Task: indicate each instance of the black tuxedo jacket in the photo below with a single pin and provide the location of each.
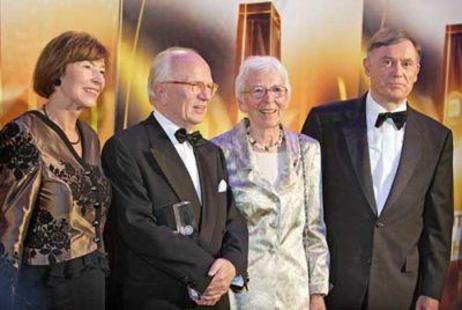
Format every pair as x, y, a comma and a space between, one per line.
384, 261
151, 265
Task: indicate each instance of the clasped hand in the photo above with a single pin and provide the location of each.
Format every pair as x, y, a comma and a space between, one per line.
222, 272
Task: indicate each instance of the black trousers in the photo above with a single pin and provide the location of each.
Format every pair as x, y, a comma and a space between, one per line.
78, 284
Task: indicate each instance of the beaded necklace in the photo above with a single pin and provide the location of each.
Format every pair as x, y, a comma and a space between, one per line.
268, 147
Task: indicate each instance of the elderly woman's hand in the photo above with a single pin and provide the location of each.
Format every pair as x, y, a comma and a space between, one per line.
317, 302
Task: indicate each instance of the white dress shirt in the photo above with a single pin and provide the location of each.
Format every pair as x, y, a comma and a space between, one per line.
185, 150
385, 145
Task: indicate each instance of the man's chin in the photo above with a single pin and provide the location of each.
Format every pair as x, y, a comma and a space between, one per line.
396, 97
197, 120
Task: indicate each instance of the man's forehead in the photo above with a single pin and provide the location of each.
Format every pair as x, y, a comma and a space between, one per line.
402, 50
186, 59
189, 70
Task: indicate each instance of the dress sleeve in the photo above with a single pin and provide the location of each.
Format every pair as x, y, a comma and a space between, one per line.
236, 238
314, 234
19, 185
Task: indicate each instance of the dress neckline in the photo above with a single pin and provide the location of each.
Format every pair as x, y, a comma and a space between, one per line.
64, 138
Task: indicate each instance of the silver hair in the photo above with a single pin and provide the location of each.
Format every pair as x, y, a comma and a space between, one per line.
160, 70
255, 64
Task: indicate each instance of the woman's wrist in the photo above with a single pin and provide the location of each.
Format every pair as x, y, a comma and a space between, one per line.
317, 295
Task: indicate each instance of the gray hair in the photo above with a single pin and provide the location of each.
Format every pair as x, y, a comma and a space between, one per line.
255, 64
160, 70
389, 36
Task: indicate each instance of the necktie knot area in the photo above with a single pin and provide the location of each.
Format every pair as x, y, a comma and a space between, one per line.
399, 118
194, 138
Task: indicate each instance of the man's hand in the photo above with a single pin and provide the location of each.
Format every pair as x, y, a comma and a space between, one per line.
317, 302
427, 303
223, 272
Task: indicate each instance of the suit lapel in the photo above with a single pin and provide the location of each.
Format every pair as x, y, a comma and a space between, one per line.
207, 173
355, 133
410, 156
170, 163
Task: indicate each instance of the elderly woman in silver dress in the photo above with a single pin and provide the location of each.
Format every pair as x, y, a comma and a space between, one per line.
275, 176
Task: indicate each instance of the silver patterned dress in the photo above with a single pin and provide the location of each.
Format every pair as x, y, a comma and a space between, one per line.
288, 254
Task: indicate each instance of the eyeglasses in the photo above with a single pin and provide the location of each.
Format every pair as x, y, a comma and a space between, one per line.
258, 92
197, 87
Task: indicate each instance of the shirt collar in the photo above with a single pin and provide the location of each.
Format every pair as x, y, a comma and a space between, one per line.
167, 125
373, 109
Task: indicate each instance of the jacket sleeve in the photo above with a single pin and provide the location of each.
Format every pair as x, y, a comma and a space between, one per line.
435, 241
236, 237
312, 126
20, 179
314, 234
177, 255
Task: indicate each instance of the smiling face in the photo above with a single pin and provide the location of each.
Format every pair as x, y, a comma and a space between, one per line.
83, 82
392, 71
264, 113
183, 104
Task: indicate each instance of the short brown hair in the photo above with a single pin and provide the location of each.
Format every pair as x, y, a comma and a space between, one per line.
388, 36
68, 47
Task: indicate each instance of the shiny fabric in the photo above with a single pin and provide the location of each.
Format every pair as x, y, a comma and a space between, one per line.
288, 254
52, 201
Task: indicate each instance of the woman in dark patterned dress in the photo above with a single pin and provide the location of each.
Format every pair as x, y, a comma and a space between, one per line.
53, 194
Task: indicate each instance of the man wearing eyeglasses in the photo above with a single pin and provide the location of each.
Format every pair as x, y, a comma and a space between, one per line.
388, 187
163, 174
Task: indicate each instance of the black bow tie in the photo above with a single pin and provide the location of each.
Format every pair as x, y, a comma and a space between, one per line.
194, 138
399, 118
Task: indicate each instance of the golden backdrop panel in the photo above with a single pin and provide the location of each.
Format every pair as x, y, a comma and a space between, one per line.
27, 25
319, 47
321, 50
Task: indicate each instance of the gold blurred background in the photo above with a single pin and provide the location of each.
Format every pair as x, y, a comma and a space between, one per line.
321, 42
27, 25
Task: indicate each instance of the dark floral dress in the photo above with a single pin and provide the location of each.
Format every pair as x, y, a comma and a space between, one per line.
52, 201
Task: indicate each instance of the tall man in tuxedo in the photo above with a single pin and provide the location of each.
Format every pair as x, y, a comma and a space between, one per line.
156, 164
388, 187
